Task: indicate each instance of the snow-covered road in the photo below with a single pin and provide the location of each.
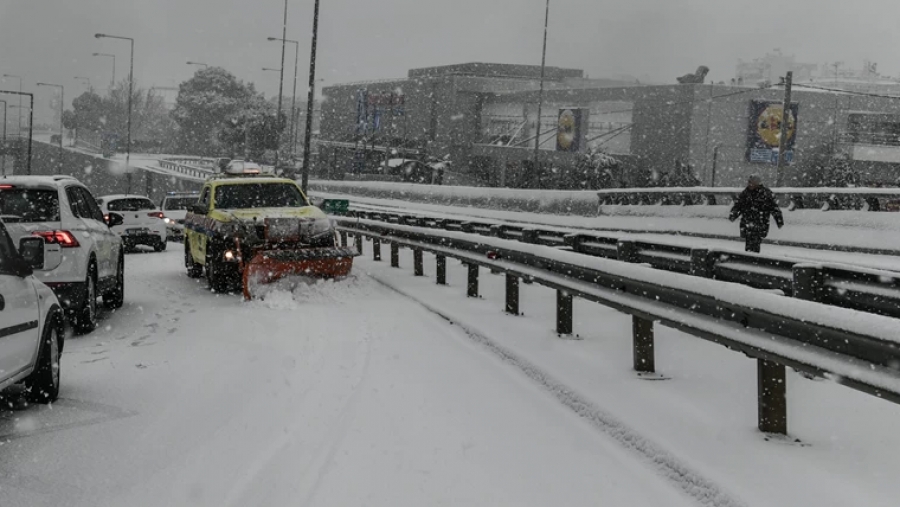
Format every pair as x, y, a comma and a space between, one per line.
333, 394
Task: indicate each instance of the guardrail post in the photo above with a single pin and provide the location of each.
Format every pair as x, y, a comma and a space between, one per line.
418, 268
359, 243
626, 251
395, 255
563, 313
344, 238
809, 283
644, 358
441, 270
702, 264
376, 249
772, 397
472, 286
512, 294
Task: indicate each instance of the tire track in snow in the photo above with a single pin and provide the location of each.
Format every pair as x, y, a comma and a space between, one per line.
704, 491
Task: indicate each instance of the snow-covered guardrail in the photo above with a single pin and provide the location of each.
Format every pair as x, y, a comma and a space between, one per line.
855, 349
824, 198
189, 170
867, 290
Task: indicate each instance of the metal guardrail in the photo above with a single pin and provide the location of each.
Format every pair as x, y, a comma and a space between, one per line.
825, 199
189, 170
867, 290
863, 354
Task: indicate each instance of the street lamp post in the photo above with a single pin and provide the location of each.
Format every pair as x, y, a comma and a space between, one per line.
130, 93
30, 120
19, 115
293, 134
537, 137
281, 77
200, 64
62, 104
307, 136
3, 155
109, 55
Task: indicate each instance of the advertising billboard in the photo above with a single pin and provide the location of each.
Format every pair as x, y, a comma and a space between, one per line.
571, 128
764, 131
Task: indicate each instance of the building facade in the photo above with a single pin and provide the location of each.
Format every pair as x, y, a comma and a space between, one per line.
485, 118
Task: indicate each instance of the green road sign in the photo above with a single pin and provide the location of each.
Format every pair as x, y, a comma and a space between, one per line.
336, 206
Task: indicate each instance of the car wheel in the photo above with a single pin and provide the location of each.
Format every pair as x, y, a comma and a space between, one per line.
160, 246
86, 317
42, 386
116, 298
194, 270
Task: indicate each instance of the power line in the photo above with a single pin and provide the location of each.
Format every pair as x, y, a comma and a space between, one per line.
847, 92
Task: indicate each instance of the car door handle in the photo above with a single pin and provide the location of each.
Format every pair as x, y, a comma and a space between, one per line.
2, 303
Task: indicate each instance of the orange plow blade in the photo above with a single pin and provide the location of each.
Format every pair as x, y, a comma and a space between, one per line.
271, 265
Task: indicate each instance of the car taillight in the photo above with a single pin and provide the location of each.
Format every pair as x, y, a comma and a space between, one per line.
156, 214
6, 187
65, 239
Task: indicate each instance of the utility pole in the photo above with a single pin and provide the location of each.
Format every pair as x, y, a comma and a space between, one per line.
3, 153
537, 138
281, 80
785, 129
310, 101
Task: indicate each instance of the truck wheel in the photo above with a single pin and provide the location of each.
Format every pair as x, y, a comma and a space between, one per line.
222, 276
194, 270
42, 386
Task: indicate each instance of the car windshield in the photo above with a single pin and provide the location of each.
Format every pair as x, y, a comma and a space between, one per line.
20, 204
130, 204
258, 195
178, 203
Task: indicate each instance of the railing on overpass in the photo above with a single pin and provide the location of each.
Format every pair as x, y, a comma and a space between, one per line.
824, 198
866, 290
190, 166
857, 350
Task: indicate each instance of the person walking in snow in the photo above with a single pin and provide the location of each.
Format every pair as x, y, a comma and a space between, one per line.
754, 206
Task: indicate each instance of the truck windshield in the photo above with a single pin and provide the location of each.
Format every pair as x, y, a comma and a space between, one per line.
258, 195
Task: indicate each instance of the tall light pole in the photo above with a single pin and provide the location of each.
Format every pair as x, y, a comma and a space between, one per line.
537, 138
199, 64
307, 135
293, 134
19, 116
130, 93
30, 119
109, 55
3, 155
281, 78
62, 104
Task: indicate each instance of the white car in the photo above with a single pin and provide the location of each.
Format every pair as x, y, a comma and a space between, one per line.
175, 205
84, 258
31, 321
142, 222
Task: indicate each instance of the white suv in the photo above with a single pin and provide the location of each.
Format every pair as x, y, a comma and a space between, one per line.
142, 221
31, 322
84, 258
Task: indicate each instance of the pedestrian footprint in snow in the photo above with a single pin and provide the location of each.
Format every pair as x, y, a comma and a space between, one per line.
754, 206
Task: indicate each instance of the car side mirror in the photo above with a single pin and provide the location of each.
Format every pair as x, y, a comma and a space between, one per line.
199, 209
31, 249
114, 219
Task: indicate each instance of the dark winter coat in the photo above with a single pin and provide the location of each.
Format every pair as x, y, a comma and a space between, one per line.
755, 206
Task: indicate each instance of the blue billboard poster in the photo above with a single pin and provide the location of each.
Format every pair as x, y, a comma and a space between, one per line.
764, 131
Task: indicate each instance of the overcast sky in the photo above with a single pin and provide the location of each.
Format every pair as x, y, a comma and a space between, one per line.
52, 40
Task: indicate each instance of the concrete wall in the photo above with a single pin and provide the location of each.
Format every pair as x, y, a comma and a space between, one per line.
101, 176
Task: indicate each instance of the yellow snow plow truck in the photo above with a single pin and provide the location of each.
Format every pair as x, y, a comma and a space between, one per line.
250, 228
